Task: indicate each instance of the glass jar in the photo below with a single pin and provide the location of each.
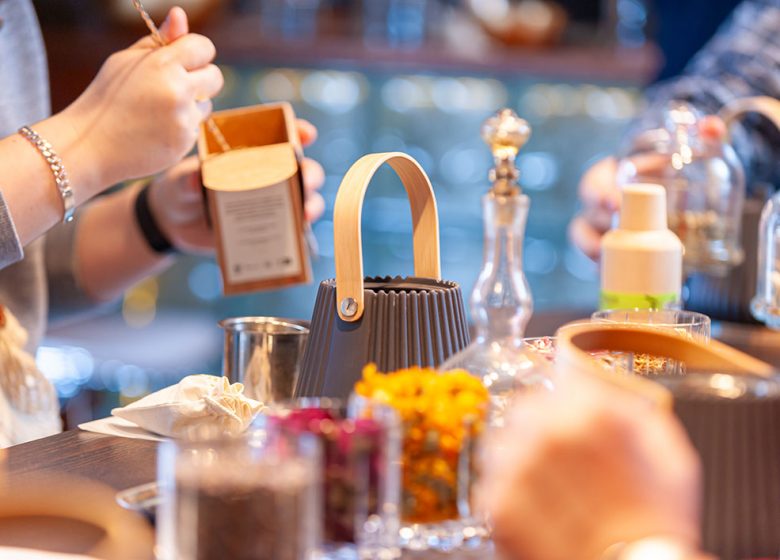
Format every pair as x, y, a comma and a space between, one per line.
688, 324
766, 303
704, 181
443, 415
685, 323
238, 498
360, 475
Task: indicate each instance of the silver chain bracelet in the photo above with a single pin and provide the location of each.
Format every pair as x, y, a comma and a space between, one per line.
57, 169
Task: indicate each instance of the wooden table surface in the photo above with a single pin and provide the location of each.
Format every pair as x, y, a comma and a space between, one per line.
119, 463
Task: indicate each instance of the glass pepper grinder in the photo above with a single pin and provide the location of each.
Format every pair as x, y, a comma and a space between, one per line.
500, 302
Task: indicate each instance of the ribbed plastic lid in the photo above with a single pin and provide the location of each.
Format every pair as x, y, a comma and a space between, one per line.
643, 207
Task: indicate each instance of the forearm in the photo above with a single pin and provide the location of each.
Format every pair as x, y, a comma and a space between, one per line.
139, 116
30, 192
111, 252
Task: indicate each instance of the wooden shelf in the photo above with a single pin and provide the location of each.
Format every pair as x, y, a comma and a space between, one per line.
76, 54
242, 40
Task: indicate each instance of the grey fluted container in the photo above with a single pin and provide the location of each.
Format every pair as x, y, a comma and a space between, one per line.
406, 322
734, 423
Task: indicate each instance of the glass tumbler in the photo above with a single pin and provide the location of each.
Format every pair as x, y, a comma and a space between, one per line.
265, 354
360, 471
439, 474
443, 415
239, 499
689, 324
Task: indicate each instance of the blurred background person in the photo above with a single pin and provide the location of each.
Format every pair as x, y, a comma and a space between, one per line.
742, 60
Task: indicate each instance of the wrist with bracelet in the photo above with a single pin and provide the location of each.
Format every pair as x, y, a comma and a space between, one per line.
155, 239
57, 168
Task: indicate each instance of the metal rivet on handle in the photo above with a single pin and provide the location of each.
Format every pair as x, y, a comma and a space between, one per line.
349, 307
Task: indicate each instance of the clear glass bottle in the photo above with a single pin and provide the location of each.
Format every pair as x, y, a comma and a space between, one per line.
501, 302
704, 181
765, 306
766, 303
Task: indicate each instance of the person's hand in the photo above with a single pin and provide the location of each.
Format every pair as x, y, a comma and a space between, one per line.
141, 113
177, 204
176, 199
589, 466
313, 174
600, 197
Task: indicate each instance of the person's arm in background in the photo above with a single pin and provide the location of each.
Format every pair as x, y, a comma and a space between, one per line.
139, 115
110, 253
591, 472
105, 253
743, 59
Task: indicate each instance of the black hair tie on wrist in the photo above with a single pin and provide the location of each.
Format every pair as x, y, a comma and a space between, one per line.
149, 229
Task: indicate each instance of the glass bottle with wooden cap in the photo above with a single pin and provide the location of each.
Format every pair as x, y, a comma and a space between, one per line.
501, 302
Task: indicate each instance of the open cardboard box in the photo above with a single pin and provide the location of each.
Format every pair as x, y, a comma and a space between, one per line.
255, 197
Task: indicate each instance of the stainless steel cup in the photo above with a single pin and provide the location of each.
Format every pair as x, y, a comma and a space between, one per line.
265, 354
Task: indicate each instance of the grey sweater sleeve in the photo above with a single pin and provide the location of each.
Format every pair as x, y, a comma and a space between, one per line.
743, 59
66, 295
11, 250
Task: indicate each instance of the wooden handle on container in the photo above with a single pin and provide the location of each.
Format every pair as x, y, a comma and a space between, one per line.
576, 340
346, 226
763, 105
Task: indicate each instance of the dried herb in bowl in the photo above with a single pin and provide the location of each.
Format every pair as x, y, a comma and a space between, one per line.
354, 464
442, 414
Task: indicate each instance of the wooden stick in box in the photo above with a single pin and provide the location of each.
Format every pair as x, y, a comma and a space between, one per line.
255, 198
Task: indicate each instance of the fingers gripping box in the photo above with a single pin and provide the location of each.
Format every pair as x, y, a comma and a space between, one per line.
255, 197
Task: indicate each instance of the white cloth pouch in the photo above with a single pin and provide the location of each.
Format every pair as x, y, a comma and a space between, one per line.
197, 404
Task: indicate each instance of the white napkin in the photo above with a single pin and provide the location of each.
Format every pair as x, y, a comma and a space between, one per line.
196, 402
119, 427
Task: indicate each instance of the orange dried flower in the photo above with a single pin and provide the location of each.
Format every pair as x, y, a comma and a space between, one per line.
442, 414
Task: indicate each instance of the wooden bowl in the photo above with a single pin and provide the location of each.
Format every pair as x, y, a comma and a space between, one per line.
576, 341
71, 515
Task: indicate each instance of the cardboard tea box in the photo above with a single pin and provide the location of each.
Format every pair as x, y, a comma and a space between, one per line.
250, 162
